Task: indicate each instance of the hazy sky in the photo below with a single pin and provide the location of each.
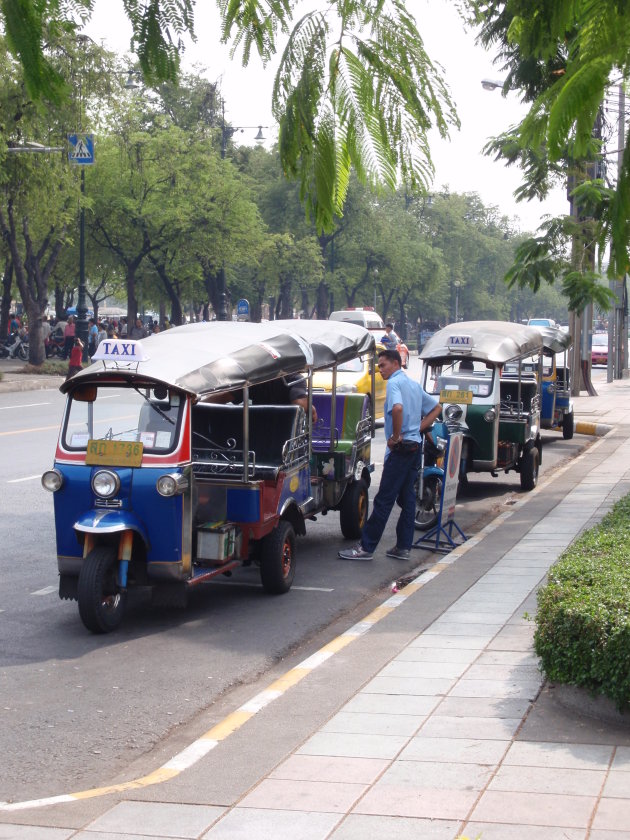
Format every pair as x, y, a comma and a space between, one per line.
459, 162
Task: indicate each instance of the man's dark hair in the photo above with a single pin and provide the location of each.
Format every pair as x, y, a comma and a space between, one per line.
391, 326
394, 355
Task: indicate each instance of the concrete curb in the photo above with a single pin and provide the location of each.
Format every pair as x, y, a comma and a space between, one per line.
582, 702
598, 429
27, 383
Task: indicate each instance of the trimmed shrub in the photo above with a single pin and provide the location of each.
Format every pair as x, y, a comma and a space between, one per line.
583, 618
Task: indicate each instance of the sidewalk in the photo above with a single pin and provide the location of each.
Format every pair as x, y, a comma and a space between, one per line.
426, 720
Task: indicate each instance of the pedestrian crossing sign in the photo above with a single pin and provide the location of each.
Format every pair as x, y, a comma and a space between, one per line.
81, 148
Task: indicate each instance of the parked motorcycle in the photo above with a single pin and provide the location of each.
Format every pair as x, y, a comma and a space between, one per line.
15, 347
55, 345
431, 478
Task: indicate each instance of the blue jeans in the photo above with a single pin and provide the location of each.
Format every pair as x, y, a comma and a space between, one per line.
397, 482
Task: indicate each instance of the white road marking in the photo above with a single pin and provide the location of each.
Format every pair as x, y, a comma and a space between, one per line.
25, 405
47, 590
28, 478
259, 585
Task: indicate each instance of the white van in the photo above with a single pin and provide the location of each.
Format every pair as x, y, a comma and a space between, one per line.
367, 318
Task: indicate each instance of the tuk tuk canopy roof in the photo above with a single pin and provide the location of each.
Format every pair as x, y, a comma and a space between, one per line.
223, 355
489, 341
555, 340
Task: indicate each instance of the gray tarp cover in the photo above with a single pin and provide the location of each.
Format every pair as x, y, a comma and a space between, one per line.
493, 341
221, 355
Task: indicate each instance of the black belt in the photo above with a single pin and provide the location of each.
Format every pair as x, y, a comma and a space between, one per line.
406, 447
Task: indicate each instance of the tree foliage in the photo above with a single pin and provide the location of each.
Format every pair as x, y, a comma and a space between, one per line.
562, 57
355, 87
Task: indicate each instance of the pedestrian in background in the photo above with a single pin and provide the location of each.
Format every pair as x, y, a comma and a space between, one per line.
76, 358
390, 340
409, 410
68, 337
137, 331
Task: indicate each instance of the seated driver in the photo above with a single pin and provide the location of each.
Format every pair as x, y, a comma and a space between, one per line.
286, 390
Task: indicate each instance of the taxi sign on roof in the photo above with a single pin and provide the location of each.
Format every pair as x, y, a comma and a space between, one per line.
460, 342
120, 350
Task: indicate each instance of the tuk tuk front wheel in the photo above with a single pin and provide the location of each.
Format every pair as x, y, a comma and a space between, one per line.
567, 426
101, 601
529, 469
428, 507
353, 510
277, 559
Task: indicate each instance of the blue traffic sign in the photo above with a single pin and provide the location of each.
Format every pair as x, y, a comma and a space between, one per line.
81, 149
242, 308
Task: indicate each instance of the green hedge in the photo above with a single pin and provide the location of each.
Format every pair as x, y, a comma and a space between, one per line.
583, 617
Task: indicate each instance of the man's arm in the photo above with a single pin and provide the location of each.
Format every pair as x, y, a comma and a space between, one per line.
428, 419
397, 421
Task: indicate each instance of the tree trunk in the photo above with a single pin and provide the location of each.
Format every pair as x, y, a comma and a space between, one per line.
305, 304
322, 301
32, 274
132, 302
60, 308
5, 307
285, 301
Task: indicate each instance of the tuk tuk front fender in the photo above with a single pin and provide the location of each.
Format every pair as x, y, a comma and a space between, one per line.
110, 522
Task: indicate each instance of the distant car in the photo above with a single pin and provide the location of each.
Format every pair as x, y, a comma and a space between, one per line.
354, 377
541, 322
373, 323
599, 349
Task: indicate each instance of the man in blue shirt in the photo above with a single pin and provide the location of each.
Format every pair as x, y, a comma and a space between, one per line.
409, 410
390, 340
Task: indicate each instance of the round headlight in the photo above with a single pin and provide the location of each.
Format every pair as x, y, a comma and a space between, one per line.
453, 412
105, 484
166, 485
490, 416
52, 480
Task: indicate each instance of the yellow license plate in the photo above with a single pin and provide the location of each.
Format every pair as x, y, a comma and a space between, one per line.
113, 453
452, 396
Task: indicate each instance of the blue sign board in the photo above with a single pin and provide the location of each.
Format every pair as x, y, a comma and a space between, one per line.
81, 149
242, 309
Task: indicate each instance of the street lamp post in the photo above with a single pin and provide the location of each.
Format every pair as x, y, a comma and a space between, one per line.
457, 284
227, 131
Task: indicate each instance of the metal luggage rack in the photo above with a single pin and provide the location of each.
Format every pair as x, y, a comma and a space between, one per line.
295, 450
364, 428
222, 462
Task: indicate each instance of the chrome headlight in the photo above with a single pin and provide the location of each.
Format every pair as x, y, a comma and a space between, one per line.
105, 484
453, 412
346, 389
52, 480
171, 484
490, 416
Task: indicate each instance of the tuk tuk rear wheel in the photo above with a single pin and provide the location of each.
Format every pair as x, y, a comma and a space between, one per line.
529, 469
101, 601
567, 426
277, 559
353, 510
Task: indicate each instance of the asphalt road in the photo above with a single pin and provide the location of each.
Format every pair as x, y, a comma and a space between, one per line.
78, 708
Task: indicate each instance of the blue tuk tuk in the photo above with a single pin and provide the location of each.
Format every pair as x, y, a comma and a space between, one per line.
557, 405
165, 476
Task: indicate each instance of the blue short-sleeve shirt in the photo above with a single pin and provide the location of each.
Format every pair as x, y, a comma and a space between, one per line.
416, 403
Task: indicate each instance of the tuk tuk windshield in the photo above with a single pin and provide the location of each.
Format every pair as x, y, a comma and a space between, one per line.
459, 375
149, 415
